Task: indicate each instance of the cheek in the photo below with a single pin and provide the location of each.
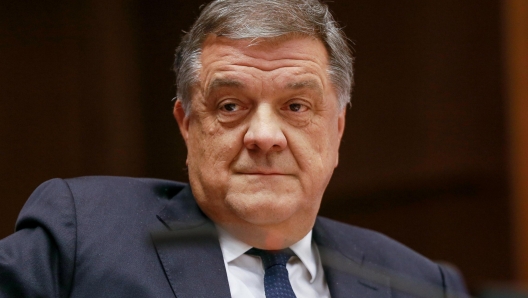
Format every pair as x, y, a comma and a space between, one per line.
315, 148
211, 144
315, 151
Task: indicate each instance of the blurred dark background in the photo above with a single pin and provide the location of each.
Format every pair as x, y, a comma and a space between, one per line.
86, 88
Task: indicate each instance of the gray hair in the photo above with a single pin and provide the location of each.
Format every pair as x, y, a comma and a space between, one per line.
254, 19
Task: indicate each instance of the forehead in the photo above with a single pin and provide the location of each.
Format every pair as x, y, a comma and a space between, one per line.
288, 57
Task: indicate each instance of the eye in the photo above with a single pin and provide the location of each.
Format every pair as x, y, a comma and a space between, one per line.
296, 107
230, 107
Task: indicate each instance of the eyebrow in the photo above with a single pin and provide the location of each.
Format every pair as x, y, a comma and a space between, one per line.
306, 84
312, 84
223, 82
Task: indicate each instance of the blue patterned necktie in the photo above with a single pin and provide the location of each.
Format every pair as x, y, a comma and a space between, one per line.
276, 281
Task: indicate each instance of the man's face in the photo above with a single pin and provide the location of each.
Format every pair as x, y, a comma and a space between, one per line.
263, 131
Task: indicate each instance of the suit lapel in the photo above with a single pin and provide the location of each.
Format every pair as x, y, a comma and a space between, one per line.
343, 266
187, 245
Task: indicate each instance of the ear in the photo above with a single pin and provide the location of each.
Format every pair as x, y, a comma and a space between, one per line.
340, 130
182, 119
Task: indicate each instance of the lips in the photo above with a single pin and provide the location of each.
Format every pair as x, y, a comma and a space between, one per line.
262, 168
263, 173
260, 171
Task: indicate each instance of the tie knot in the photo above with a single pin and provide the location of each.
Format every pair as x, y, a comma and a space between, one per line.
272, 257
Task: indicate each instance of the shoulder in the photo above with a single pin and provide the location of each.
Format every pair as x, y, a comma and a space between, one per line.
110, 187
69, 227
120, 185
374, 246
382, 254
98, 196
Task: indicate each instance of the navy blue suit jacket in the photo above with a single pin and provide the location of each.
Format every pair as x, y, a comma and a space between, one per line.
129, 237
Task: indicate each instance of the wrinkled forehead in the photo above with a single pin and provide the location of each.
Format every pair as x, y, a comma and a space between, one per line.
297, 56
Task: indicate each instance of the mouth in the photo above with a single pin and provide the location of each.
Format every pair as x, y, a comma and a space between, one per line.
262, 173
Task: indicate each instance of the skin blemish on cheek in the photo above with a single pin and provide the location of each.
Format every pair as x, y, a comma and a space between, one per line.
212, 128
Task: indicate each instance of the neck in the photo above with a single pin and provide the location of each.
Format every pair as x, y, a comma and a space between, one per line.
267, 237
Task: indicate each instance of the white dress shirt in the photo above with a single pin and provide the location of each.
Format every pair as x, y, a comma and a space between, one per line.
246, 274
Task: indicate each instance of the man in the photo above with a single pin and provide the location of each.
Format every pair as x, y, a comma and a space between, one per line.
262, 91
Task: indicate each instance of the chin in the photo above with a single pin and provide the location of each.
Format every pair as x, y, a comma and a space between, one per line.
263, 208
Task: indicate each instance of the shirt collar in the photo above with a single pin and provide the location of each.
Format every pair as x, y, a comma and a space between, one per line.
304, 249
233, 248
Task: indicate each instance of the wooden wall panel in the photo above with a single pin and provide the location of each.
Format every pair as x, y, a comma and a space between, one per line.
68, 96
516, 53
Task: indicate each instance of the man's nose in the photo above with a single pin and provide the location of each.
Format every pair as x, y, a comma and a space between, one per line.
265, 131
